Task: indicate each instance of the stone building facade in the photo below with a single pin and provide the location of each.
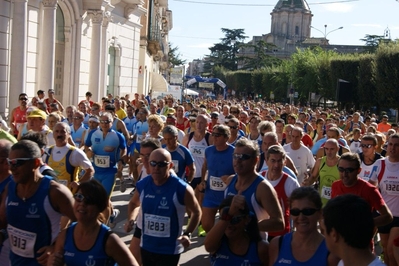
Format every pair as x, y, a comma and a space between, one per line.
75, 46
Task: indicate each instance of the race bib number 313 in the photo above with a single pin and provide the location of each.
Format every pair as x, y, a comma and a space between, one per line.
22, 242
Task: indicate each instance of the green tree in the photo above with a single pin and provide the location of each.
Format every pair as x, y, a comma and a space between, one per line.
256, 56
386, 74
225, 53
174, 56
372, 42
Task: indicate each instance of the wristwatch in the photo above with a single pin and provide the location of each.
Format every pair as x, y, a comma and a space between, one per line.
188, 234
224, 214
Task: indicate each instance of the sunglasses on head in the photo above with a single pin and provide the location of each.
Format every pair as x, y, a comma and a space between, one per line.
18, 161
368, 146
306, 211
81, 198
346, 170
160, 164
241, 156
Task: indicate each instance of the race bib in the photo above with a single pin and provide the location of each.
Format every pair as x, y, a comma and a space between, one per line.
175, 166
22, 242
198, 151
217, 184
391, 187
157, 226
326, 192
101, 161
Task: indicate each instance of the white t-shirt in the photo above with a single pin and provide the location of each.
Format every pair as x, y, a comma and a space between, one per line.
302, 158
375, 262
77, 158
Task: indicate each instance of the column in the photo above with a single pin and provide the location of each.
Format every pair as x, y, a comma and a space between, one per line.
104, 59
97, 17
47, 44
18, 51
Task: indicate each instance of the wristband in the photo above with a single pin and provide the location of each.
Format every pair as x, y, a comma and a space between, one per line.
224, 214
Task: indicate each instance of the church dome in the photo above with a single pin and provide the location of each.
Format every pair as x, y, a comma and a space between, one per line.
301, 4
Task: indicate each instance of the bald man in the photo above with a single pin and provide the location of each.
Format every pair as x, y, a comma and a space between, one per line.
162, 199
326, 170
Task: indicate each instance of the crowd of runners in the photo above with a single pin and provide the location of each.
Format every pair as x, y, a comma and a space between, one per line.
264, 183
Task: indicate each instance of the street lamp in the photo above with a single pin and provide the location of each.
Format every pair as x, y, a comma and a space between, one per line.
325, 33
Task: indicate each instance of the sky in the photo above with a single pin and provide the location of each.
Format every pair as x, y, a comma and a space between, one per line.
197, 26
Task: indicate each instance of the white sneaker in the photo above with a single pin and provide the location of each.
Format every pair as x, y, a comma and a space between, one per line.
112, 218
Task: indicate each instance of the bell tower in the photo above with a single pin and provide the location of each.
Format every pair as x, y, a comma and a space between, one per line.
291, 21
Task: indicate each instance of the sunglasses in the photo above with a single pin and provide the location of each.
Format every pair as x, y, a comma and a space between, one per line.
234, 112
241, 156
192, 120
18, 161
233, 127
237, 219
81, 198
346, 170
23, 99
217, 135
306, 211
214, 117
368, 146
104, 121
160, 164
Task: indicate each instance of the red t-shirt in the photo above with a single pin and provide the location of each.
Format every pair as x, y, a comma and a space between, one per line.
362, 189
181, 126
307, 141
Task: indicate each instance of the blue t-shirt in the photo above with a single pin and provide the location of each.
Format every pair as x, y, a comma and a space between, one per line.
106, 150
181, 158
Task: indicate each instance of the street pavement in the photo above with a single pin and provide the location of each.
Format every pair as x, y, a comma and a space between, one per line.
195, 255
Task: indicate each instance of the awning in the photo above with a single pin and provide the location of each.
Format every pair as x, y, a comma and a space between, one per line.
158, 82
190, 92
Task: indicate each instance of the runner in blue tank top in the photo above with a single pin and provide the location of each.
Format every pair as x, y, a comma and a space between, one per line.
235, 239
181, 156
218, 165
257, 192
88, 241
290, 249
33, 208
160, 202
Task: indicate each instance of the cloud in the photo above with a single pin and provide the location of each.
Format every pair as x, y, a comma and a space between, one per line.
339, 7
201, 45
367, 25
